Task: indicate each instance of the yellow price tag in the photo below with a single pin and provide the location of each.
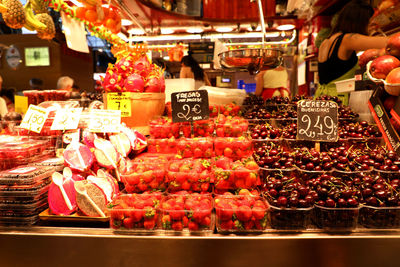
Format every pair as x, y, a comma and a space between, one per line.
34, 118
120, 101
105, 121
21, 104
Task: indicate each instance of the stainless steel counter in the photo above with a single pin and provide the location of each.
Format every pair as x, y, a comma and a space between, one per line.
57, 246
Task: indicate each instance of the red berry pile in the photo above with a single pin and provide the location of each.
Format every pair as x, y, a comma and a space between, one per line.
187, 211
198, 147
244, 212
233, 147
135, 211
227, 126
231, 175
189, 174
163, 127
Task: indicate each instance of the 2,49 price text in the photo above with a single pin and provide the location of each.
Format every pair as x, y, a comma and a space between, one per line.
322, 126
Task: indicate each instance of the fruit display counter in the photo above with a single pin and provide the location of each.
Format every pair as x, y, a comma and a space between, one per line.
228, 184
58, 246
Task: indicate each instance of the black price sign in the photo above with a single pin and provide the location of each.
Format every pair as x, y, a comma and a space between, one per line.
317, 120
190, 106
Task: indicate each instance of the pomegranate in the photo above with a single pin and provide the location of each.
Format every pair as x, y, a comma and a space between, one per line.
134, 83
381, 66
393, 45
369, 55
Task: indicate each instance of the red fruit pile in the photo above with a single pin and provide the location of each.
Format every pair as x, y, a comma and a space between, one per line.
202, 128
187, 211
231, 175
167, 146
190, 174
243, 212
199, 147
134, 73
233, 147
135, 211
230, 109
163, 128
144, 174
227, 126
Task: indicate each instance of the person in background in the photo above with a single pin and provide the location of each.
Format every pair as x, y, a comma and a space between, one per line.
337, 58
161, 63
75, 88
191, 69
8, 96
3, 104
272, 82
36, 84
65, 83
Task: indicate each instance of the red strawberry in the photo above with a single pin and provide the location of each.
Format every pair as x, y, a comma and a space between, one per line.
197, 153
128, 223
185, 221
137, 215
193, 226
177, 226
258, 212
249, 225
149, 224
244, 213
166, 222
226, 225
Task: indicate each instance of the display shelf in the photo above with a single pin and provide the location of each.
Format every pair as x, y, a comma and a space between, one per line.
50, 246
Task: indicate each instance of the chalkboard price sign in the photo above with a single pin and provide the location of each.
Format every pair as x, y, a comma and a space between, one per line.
317, 120
190, 106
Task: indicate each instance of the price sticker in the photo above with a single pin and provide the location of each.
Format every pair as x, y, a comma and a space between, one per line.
66, 119
120, 101
105, 121
317, 120
190, 106
34, 118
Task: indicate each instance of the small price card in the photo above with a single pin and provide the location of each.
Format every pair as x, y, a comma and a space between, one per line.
105, 121
190, 106
317, 120
66, 119
120, 101
34, 118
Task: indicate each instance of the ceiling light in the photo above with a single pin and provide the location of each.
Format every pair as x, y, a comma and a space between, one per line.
224, 29
136, 31
194, 30
285, 27
126, 22
166, 31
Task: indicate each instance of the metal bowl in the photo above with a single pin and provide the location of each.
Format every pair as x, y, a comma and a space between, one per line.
251, 59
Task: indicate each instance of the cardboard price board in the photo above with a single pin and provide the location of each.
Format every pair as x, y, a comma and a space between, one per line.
120, 101
34, 118
105, 121
66, 119
317, 120
190, 106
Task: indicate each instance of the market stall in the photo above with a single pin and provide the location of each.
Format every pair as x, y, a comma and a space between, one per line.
211, 176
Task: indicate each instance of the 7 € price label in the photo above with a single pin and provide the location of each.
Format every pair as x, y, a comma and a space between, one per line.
105, 121
35, 118
120, 101
67, 119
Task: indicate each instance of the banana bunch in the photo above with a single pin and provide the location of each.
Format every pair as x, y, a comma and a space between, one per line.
32, 23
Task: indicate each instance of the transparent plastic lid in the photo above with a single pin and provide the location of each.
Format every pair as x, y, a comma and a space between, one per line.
27, 174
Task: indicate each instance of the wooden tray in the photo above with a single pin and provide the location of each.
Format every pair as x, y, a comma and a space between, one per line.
75, 217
